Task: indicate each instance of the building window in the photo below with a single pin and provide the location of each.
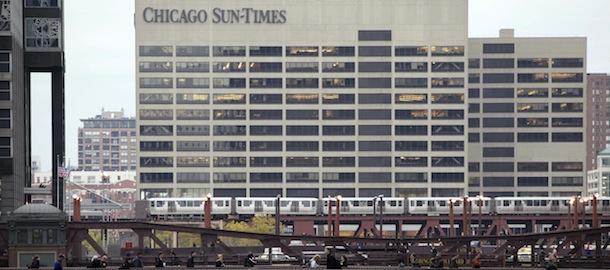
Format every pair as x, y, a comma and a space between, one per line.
265, 51
338, 51
499, 48
229, 51
156, 51
411, 51
219, 67
374, 35
301, 51
192, 51
447, 50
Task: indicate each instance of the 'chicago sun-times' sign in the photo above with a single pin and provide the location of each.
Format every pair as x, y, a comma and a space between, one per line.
216, 16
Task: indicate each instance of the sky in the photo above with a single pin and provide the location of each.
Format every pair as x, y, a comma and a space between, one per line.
100, 54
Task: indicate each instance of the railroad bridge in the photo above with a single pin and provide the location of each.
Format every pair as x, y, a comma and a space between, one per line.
582, 240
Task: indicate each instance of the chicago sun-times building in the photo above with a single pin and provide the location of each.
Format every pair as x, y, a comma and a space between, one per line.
302, 98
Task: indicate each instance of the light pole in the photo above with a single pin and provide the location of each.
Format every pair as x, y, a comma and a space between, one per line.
277, 214
330, 220
451, 228
466, 229
374, 212
480, 202
584, 202
380, 215
207, 212
594, 217
570, 202
76, 207
337, 215
576, 212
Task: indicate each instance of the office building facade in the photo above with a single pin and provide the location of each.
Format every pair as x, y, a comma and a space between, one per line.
598, 113
527, 99
301, 98
107, 142
31, 40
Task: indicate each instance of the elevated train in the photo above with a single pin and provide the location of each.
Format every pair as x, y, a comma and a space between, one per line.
248, 206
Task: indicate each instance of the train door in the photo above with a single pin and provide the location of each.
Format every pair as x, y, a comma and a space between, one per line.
294, 205
171, 206
431, 206
258, 206
518, 206
554, 206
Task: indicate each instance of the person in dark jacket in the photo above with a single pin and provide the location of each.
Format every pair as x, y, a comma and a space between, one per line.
331, 260
35, 262
58, 264
96, 262
159, 260
190, 262
137, 262
250, 260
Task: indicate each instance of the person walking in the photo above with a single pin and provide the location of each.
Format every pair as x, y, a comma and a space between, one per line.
313, 263
159, 260
35, 262
476, 261
219, 261
343, 261
137, 262
58, 264
331, 260
250, 260
190, 262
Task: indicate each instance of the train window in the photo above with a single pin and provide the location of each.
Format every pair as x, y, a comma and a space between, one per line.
159, 204
182, 203
392, 203
283, 203
197, 203
529, 203
505, 203
369, 203
543, 203
536, 203
420, 203
430, 203
305, 203
356, 203
442, 203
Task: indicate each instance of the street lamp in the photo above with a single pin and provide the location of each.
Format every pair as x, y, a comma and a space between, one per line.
584, 203
466, 228
330, 219
576, 199
207, 212
380, 215
277, 214
451, 228
480, 202
76, 207
570, 202
594, 217
337, 214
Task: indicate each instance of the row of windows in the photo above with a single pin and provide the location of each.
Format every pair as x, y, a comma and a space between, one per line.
294, 161
363, 130
563, 107
509, 63
279, 177
525, 167
301, 82
327, 146
300, 51
526, 137
237, 114
526, 92
297, 67
532, 181
525, 78
304, 98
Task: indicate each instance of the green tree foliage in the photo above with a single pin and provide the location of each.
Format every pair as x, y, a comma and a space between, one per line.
259, 224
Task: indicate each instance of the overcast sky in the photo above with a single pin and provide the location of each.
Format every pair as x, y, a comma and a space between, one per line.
100, 53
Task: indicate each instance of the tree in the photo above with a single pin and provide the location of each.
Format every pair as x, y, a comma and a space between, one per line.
259, 224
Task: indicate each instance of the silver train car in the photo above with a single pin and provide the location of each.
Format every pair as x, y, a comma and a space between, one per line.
249, 206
